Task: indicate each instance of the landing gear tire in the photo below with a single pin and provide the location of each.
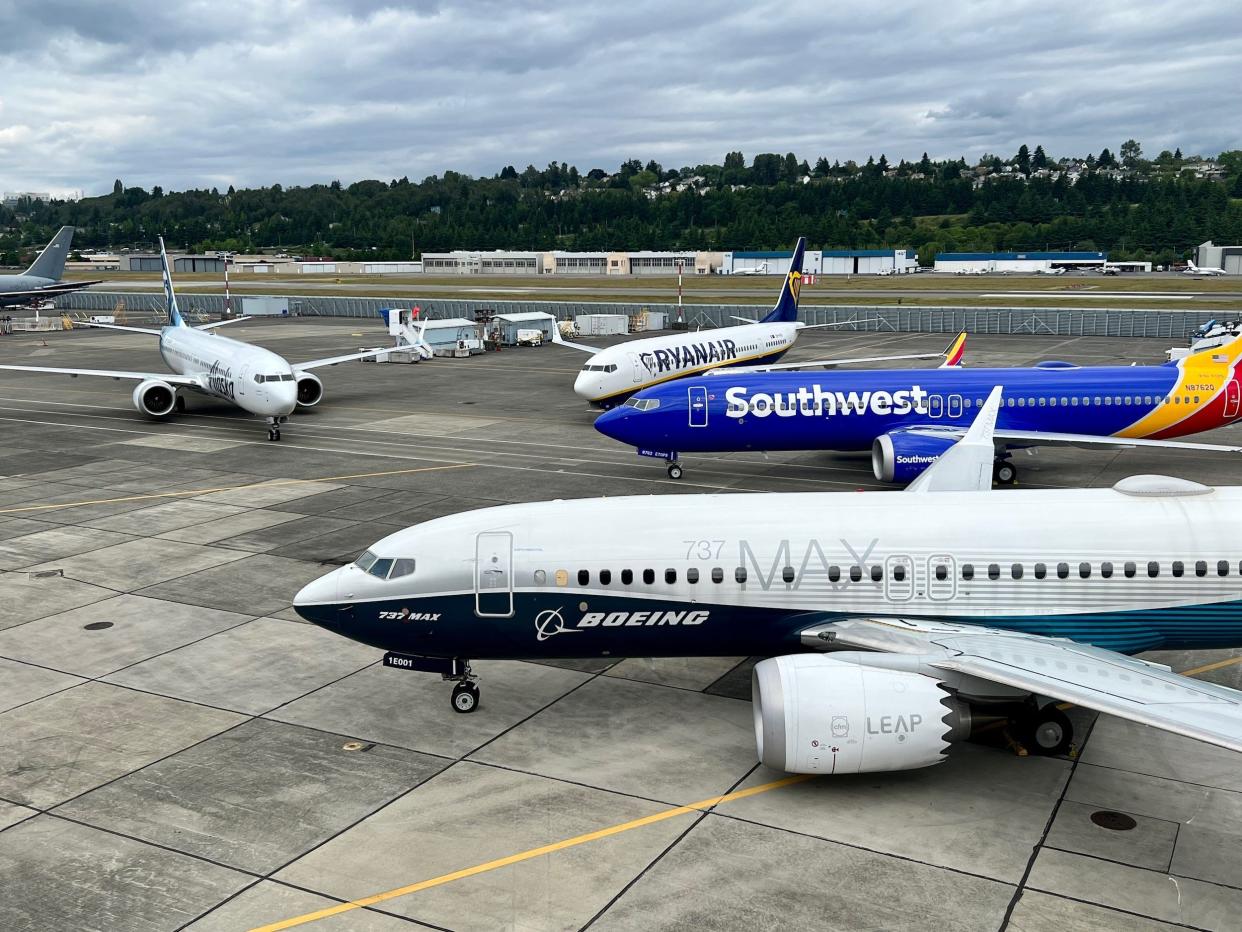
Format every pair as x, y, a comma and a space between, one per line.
1047, 731
674, 470
1004, 472
465, 697
273, 433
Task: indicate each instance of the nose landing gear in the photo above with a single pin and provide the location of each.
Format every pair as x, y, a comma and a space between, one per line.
674, 470
465, 696
273, 428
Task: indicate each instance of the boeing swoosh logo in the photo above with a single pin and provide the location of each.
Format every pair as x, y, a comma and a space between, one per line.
549, 623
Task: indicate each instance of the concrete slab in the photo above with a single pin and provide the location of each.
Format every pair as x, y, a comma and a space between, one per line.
437, 425
1113, 743
252, 668
1149, 844
412, 710
695, 673
20, 527
254, 797
62, 876
471, 814
57, 544
166, 516
1041, 912
267, 903
287, 532
339, 503
24, 597
982, 811
141, 628
21, 683
11, 814
210, 532
270, 493
338, 546
618, 735
729, 874
255, 584
55, 748
184, 443
1148, 893
139, 563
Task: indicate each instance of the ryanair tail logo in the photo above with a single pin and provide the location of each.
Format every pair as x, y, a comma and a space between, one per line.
794, 281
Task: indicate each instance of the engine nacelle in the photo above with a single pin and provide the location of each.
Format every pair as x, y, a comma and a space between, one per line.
155, 398
310, 390
814, 714
902, 456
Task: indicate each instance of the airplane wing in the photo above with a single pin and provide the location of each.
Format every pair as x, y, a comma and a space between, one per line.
561, 341
1049, 438
89, 323
333, 360
221, 323
816, 364
1059, 669
50, 291
967, 465
187, 380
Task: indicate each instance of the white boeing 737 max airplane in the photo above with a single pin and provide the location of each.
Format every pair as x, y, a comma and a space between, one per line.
257, 380
897, 619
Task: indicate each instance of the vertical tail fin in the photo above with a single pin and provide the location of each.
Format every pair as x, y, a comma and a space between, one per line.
786, 309
174, 314
953, 355
51, 262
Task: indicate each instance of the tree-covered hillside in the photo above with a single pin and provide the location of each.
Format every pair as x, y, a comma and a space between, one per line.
1134, 208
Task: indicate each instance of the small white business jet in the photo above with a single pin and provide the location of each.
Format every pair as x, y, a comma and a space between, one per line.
1211, 270
257, 380
760, 269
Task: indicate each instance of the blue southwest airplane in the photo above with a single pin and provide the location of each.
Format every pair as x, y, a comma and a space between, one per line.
908, 418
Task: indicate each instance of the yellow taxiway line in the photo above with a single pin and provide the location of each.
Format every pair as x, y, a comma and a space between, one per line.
701, 806
265, 484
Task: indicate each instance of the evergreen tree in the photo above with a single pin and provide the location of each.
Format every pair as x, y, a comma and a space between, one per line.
1039, 159
1023, 159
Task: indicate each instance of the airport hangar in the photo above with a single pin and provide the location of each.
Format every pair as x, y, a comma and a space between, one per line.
1211, 256
178, 750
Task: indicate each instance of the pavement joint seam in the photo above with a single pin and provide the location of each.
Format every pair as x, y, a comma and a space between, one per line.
1150, 870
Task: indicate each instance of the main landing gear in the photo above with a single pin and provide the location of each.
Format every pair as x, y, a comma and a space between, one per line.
1045, 730
1004, 472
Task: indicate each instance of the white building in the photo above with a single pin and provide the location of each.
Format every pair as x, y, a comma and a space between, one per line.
1211, 256
497, 262
1020, 262
823, 262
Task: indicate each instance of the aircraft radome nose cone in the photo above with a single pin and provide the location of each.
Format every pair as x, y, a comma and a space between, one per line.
321, 591
613, 422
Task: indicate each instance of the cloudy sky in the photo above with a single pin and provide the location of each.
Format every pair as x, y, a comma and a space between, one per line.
202, 93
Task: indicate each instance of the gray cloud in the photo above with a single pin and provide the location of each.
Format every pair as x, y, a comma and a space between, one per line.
199, 94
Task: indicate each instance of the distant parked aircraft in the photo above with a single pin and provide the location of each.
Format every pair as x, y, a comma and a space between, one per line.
42, 279
760, 269
1192, 269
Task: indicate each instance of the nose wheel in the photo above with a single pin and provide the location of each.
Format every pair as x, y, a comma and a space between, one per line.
674, 470
465, 696
273, 429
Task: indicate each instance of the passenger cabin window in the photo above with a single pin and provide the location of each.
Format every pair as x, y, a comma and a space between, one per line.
1222, 567
739, 574
1016, 571
1201, 568
670, 577
717, 574
541, 578
627, 577
787, 575
605, 577
993, 571
584, 577
1084, 570
1062, 571
877, 573
692, 575
855, 573
1178, 568
649, 577
968, 571
1153, 569
1041, 570
834, 574
1130, 569
1106, 570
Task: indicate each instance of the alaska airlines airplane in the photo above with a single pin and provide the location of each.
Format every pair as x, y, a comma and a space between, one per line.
617, 372
42, 279
907, 418
254, 379
923, 610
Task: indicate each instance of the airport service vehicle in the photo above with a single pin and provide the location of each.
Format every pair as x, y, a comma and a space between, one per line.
907, 417
254, 379
42, 279
617, 372
898, 618
1192, 269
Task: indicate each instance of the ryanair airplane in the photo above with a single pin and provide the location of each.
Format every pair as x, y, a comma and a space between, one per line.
254, 379
895, 629
907, 418
617, 372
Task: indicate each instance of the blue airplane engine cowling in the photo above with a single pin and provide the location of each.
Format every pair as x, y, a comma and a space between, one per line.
902, 455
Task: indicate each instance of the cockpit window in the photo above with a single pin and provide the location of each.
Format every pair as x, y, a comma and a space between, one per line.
379, 569
643, 404
364, 562
591, 367
402, 566
286, 377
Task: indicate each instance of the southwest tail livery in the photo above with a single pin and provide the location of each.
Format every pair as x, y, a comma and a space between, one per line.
909, 418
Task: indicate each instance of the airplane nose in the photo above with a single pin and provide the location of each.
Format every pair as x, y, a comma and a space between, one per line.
316, 594
617, 423
286, 396
583, 386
